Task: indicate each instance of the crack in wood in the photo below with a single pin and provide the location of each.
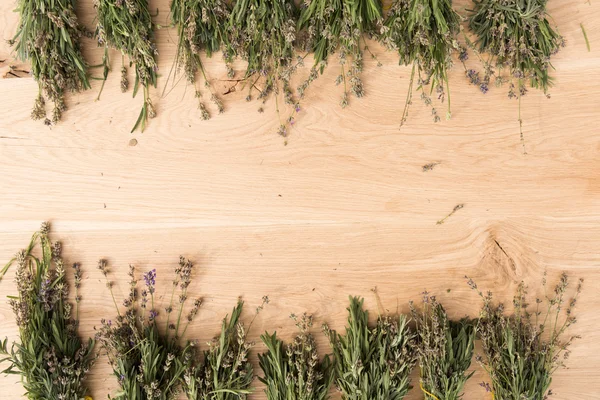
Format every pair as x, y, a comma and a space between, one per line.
512, 262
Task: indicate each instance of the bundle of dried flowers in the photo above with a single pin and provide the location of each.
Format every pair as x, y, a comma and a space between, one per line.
201, 26
519, 39
423, 32
263, 32
126, 25
445, 350
225, 373
147, 361
294, 371
48, 37
331, 26
373, 363
522, 350
51, 358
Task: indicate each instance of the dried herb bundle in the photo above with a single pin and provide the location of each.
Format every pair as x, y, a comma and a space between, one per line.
226, 373
339, 26
263, 32
522, 350
373, 363
201, 26
51, 358
48, 37
148, 362
423, 32
445, 350
518, 37
294, 371
126, 25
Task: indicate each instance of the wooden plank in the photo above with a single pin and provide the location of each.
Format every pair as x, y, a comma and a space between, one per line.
344, 207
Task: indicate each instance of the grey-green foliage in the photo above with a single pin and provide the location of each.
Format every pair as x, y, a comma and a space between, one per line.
373, 363
445, 350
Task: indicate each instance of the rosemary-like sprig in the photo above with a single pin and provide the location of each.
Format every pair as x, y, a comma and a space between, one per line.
373, 363
202, 27
295, 371
48, 37
126, 25
51, 358
147, 362
225, 373
445, 349
263, 33
331, 26
523, 350
423, 32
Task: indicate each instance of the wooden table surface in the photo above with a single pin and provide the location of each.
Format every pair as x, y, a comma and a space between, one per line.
343, 208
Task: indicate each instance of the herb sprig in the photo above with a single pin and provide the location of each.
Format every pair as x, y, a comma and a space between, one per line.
51, 358
126, 25
48, 36
445, 349
373, 363
331, 26
225, 373
517, 37
423, 32
524, 349
295, 371
202, 27
147, 361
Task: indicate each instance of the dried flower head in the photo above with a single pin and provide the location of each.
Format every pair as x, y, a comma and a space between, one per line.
373, 362
126, 25
48, 37
522, 350
51, 358
295, 371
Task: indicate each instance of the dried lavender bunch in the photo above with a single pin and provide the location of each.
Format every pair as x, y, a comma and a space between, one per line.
373, 363
518, 38
263, 32
445, 350
423, 32
332, 26
225, 373
294, 371
126, 25
522, 350
201, 26
48, 37
147, 361
51, 358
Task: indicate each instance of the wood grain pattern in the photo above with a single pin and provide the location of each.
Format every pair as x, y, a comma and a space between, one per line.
344, 207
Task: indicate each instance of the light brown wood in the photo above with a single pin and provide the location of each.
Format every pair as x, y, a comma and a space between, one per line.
343, 208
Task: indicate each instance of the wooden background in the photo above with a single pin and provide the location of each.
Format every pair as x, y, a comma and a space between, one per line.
344, 207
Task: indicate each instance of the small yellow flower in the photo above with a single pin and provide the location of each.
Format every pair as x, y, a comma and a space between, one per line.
88, 398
